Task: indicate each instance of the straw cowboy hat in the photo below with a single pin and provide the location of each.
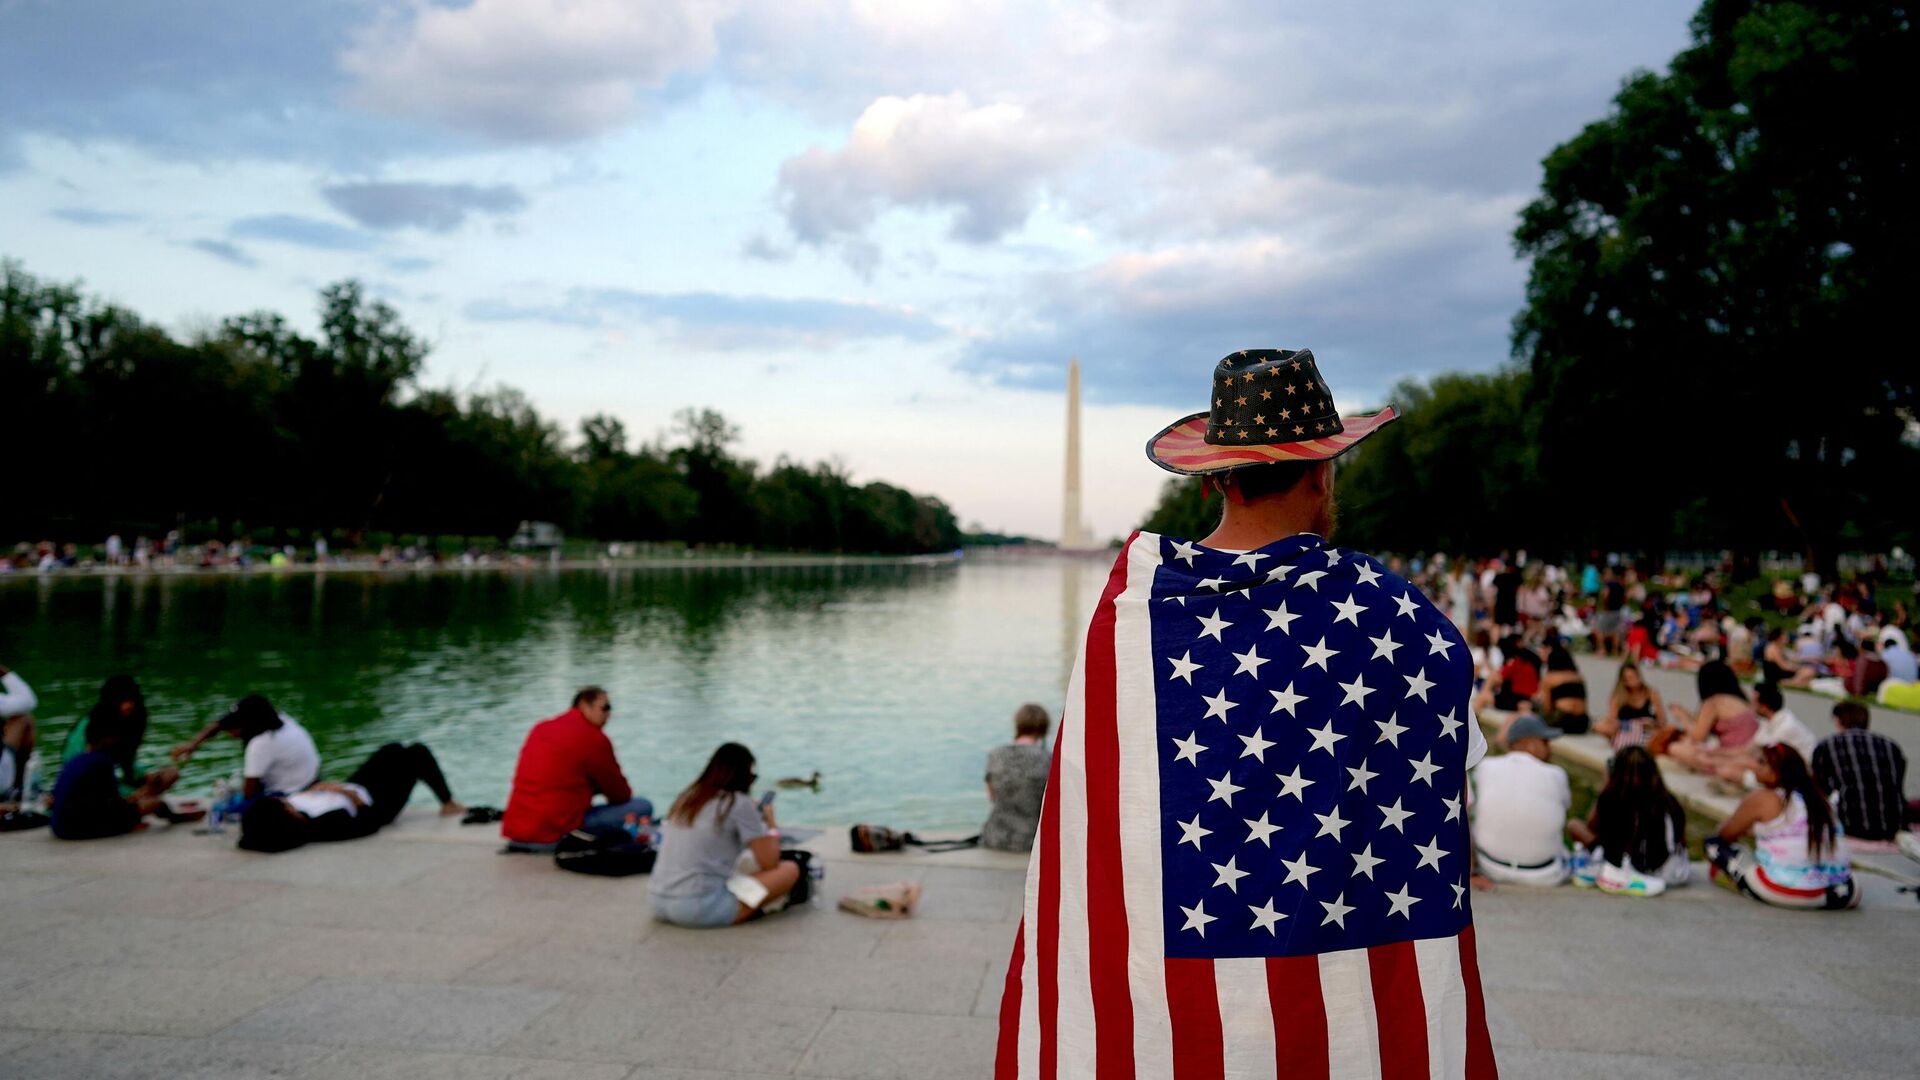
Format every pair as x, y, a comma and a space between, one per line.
1269, 405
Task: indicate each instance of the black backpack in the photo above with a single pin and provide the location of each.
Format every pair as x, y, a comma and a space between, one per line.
606, 854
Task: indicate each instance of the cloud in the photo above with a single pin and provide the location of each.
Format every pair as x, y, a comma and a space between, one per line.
434, 207
724, 322
82, 215
1379, 293
411, 264
207, 80
982, 162
304, 231
224, 251
529, 70
762, 247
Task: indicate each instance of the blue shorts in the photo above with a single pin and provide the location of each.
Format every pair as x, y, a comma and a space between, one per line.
716, 908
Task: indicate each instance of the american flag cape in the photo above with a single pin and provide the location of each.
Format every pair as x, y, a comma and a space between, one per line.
1253, 852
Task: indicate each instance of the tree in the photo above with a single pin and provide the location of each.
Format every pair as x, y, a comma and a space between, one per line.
602, 438
1184, 510
293, 435
1720, 269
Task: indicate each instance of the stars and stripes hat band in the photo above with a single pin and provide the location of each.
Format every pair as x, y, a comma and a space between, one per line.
1269, 405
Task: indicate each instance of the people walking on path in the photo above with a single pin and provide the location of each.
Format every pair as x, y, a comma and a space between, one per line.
1256, 803
564, 764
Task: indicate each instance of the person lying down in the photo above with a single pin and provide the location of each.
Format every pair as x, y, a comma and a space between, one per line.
360, 806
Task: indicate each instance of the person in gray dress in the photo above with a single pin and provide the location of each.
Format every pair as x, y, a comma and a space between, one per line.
1016, 781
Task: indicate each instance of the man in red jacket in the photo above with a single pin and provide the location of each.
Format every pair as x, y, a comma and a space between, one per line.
564, 763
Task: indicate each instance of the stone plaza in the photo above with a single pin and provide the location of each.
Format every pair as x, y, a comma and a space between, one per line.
422, 953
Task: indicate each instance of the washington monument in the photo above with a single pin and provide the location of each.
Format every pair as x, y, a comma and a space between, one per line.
1074, 532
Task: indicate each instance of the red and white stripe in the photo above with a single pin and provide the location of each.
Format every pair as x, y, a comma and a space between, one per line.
1090, 990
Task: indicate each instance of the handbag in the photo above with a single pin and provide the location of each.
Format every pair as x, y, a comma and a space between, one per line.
604, 854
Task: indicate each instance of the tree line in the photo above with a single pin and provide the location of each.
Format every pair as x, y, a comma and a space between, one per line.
254, 427
1711, 355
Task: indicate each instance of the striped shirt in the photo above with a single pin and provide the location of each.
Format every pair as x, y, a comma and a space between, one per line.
1867, 773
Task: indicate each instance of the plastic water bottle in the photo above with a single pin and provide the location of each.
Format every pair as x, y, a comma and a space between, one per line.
30, 782
217, 812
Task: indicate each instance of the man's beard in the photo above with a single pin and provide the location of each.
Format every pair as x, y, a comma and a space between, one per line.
1326, 517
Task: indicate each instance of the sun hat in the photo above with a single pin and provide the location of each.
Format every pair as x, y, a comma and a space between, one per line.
1269, 405
1529, 726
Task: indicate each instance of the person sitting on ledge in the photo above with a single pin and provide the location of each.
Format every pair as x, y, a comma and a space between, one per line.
279, 756
122, 698
1637, 831
1799, 858
1017, 782
564, 763
362, 805
1724, 717
1520, 803
1866, 772
1563, 693
695, 882
1634, 710
1518, 681
87, 800
1779, 666
16, 733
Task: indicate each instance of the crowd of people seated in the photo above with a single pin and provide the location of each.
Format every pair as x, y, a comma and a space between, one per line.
718, 860
1803, 799
1806, 803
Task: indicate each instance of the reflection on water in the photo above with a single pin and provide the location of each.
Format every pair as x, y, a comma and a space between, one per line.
892, 680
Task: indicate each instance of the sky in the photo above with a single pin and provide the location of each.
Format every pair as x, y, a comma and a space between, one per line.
872, 231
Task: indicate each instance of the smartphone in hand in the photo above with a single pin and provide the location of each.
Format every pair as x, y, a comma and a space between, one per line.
766, 800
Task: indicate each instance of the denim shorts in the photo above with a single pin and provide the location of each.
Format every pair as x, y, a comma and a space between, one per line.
716, 908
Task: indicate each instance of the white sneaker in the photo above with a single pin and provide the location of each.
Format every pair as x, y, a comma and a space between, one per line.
1619, 880
1909, 844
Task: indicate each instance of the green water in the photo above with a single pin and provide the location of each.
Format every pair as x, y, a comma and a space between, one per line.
892, 680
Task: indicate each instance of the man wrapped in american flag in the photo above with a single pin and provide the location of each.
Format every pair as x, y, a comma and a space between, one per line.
1253, 857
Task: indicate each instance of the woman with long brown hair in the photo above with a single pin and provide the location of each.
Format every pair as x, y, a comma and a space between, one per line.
1799, 855
1634, 710
694, 881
